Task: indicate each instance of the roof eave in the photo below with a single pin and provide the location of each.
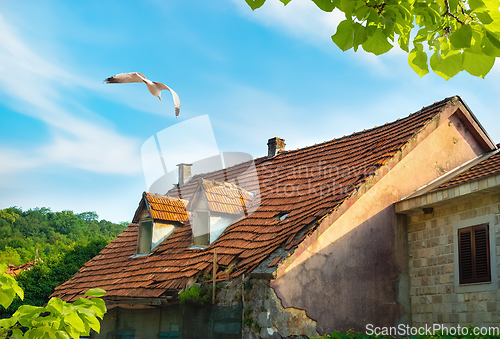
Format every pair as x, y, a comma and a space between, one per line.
475, 127
478, 127
451, 174
470, 189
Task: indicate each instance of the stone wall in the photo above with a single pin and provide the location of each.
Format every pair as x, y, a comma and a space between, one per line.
436, 296
264, 316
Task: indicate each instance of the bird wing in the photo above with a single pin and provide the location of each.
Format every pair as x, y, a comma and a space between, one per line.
177, 102
126, 78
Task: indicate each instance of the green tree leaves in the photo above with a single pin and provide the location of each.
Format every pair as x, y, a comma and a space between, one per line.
377, 43
478, 64
447, 65
462, 37
254, 4
61, 255
95, 292
459, 34
8, 287
417, 59
344, 38
58, 319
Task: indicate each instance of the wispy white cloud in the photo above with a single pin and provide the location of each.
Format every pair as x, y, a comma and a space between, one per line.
39, 88
302, 19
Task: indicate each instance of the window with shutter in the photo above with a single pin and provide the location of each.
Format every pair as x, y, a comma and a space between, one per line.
474, 254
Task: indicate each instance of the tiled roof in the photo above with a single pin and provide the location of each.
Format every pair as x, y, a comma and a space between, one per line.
14, 270
164, 207
225, 197
306, 183
485, 168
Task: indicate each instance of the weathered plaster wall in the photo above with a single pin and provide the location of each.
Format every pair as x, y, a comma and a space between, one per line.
435, 297
265, 315
354, 271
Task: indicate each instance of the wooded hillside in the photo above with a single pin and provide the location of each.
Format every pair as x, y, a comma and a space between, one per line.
65, 241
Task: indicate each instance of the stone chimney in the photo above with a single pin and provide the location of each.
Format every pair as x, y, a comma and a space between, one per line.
275, 145
184, 173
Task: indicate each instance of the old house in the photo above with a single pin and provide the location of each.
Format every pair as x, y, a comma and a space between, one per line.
392, 225
453, 227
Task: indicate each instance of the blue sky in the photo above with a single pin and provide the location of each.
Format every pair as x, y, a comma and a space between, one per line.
69, 142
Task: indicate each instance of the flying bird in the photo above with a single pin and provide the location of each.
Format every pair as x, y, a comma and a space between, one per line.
154, 87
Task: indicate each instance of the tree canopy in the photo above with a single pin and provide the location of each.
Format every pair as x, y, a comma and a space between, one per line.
65, 242
449, 35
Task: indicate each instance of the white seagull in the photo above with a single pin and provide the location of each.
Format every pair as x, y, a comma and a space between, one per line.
154, 87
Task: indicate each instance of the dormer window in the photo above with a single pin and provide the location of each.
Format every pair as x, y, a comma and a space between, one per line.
145, 236
201, 228
215, 206
157, 216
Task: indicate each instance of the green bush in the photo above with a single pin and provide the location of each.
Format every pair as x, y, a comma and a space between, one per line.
196, 294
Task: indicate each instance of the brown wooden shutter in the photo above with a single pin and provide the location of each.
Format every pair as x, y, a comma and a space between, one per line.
474, 254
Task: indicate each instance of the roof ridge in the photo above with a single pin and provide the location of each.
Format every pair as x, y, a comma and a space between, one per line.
365, 131
345, 137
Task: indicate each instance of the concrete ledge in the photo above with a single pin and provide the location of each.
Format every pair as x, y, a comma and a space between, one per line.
467, 190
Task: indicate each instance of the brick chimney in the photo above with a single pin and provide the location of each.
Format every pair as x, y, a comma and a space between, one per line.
184, 173
275, 145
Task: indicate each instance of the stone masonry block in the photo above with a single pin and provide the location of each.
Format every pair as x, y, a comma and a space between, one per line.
437, 299
454, 318
481, 306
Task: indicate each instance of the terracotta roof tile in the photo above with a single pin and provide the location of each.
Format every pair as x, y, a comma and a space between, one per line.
306, 183
224, 197
166, 208
275, 261
14, 270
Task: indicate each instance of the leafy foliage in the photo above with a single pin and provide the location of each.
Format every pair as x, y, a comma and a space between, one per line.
459, 34
66, 241
56, 320
197, 294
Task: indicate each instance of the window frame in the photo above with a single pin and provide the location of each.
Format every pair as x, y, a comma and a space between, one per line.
491, 285
467, 240
140, 237
195, 222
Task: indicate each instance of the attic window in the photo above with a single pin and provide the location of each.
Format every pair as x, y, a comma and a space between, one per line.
145, 236
201, 228
282, 216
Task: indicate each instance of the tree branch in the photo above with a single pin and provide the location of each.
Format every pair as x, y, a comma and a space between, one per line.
448, 13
